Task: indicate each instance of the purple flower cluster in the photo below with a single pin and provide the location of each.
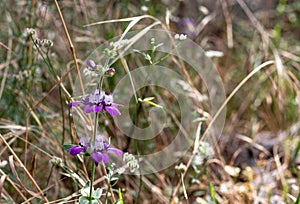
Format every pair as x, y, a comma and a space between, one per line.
97, 101
100, 149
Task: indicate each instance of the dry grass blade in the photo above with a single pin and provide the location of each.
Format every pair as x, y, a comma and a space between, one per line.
280, 167
3, 45
120, 20
289, 55
2, 179
8, 57
257, 69
257, 146
265, 37
13, 184
254, 21
155, 190
5, 148
14, 171
24, 168
131, 24
228, 23
72, 48
204, 22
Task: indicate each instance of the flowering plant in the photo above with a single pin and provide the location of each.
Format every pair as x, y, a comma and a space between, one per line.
97, 102
96, 146
99, 150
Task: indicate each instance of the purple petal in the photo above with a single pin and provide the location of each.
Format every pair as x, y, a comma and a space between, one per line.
75, 150
98, 108
88, 108
99, 143
86, 100
97, 157
84, 142
186, 22
116, 105
108, 99
110, 72
90, 63
113, 111
116, 151
74, 103
105, 157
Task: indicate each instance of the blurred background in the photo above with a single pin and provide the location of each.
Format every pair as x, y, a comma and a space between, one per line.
257, 157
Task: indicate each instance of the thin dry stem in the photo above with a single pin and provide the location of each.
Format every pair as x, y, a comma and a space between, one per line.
24, 168
8, 57
228, 23
72, 48
13, 185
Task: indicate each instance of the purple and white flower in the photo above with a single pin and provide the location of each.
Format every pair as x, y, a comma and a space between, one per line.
97, 102
100, 149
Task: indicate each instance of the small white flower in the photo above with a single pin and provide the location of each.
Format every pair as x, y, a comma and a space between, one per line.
182, 37
131, 162
181, 167
144, 8
3, 163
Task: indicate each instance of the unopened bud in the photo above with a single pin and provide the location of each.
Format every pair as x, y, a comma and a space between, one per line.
110, 72
91, 64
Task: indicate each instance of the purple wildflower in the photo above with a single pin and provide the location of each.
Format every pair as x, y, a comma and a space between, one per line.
100, 149
76, 150
96, 102
187, 26
83, 145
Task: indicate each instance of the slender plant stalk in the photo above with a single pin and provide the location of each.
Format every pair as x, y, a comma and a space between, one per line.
93, 163
113, 199
72, 48
123, 61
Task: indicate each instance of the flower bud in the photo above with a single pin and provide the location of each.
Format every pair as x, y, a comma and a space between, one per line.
110, 72
91, 64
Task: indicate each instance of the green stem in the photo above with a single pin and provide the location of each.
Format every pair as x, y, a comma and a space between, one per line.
93, 163
92, 179
94, 137
93, 140
130, 78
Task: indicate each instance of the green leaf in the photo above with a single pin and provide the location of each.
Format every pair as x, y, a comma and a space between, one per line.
212, 193
120, 201
296, 153
84, 200
298, 199
97, 194
85, 191
140, 52
94, 201
68, 146
148, 101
